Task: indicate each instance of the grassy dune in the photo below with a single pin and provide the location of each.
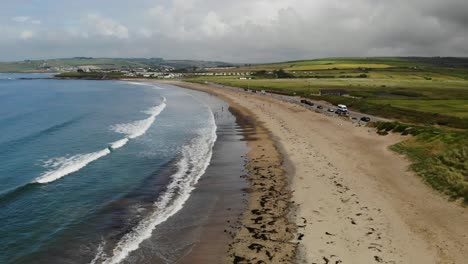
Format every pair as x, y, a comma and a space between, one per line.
439, 156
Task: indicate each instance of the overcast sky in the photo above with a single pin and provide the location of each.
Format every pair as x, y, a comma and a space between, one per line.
235, 31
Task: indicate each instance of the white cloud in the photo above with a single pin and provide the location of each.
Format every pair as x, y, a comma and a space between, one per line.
21, 19
26, 19
251, 30
269, 30
145, 32
106, 27
212, 25
27, 34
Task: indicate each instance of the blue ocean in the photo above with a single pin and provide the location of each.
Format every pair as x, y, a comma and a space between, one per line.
89, 169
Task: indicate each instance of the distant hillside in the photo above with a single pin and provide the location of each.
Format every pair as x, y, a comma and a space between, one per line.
360, 62
71, 64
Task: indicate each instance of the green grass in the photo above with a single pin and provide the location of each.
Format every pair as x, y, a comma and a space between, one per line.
19, 67
340, 63
449, 116
440, 156
458, 108
360, 87
311, 67
397, 113
89, 75
421, 95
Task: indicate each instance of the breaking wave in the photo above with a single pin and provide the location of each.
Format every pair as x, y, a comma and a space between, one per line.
119, 143
145, 84
195, 158
63, 166
138, 128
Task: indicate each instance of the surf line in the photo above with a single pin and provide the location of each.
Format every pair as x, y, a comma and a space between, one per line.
63, 166
196, 157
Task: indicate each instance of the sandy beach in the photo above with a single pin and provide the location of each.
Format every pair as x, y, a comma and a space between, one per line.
351, 200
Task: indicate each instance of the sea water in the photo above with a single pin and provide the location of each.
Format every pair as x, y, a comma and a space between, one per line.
88, 169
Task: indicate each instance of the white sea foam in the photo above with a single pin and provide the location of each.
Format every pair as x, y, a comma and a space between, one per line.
119, 143
146, 84
195, 158
60, 167
99, 253
139, 128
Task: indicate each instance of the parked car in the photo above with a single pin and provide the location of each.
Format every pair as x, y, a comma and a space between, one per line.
342, 108
365, 118
341, 112
319, 107
331, 110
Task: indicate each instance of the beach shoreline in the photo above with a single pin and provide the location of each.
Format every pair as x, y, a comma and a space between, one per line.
265, 230
353, 200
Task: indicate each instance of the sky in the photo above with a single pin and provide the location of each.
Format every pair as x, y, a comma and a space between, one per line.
242, 31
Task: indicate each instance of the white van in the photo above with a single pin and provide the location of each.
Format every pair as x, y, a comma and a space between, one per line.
342, 108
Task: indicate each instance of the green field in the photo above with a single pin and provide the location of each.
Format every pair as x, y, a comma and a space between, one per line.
419, 90
336, 66
432, 89
415, 101
455, 107
336, 63
442, 102
19, 67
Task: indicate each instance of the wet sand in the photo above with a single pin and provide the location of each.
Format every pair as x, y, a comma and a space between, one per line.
356, 201
199, 232
265, 231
